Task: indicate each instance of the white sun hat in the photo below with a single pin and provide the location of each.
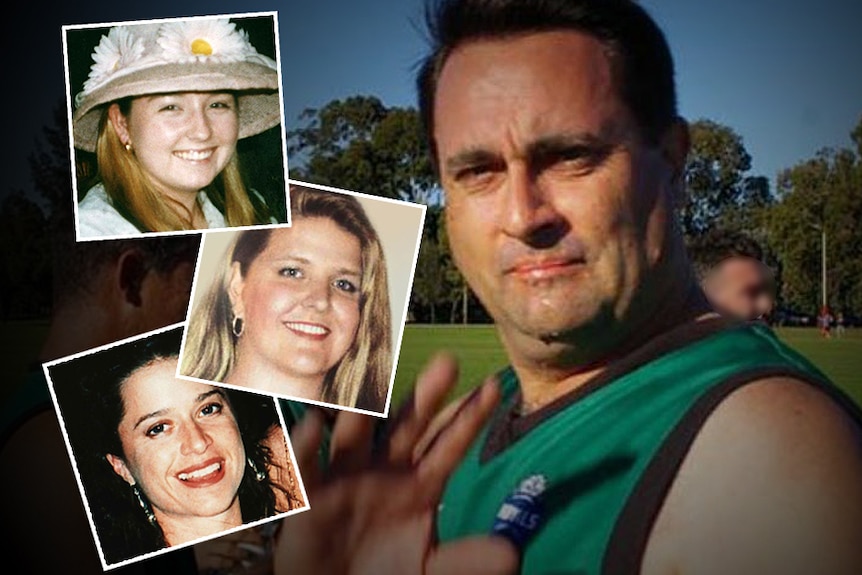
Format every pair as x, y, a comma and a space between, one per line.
197, 55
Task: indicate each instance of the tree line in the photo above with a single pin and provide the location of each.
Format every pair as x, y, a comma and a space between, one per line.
360, 144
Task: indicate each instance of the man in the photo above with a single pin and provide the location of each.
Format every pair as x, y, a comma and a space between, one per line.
824, 322
733, 276
103, 292
840, 330
638, 432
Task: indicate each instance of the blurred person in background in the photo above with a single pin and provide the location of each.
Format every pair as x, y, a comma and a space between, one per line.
733, 275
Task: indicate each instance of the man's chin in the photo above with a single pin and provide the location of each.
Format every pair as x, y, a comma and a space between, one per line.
548, 332
563, 327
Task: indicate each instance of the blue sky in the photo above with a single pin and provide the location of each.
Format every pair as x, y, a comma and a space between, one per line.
786, 76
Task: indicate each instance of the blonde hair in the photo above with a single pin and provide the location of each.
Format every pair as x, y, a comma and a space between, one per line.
133, 195
361, 377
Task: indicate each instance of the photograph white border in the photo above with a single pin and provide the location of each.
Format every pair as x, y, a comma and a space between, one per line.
70, 98
105, 566
398, 337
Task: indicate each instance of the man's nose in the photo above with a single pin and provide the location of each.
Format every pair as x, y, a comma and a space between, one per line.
528, 213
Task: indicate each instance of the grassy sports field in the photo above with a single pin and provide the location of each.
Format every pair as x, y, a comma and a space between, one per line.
480, 354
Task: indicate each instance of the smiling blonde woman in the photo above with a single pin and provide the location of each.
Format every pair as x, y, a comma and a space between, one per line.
302, 311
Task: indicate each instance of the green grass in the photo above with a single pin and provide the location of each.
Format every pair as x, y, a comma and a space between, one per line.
480, 354
476, 347
839, 358
478, 351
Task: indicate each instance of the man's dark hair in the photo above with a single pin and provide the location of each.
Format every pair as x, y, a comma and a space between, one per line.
710, 249
76, 264
636, 46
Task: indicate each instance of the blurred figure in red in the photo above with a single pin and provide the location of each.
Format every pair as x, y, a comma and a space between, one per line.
824, 322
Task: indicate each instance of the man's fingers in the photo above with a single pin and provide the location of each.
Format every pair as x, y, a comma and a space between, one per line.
435, 382
352, 443
437, 425
409, 424
451, 444
396, 550
480, 555
306, 438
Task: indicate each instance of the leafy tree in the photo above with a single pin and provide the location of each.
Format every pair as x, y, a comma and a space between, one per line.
50, 163
464, 306
438, 284
402, 154
823, 193
715, 176
748, 214
856, 136
28, 220
360, 144
429, 281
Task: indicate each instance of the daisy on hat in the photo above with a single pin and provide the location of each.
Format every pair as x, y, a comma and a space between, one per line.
163, 107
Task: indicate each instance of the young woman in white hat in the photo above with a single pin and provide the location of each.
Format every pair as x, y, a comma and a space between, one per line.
163, 107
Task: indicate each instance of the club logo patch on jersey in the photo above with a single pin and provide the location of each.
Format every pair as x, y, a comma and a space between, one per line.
521, 512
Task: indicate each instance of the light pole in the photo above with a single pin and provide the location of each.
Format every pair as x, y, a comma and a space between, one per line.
822, 229
823, 264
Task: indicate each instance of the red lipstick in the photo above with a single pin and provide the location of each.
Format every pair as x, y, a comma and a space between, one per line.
203, 474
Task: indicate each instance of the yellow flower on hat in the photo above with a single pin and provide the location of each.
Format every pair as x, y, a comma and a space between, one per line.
214, 40
115, 51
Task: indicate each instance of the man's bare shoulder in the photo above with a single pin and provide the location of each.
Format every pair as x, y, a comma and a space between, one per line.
771, 484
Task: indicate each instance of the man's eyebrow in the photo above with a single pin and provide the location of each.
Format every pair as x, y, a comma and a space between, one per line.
553, 144
469, 157
543, 146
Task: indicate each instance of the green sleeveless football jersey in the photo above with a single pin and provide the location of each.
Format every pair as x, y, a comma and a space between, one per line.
579, 483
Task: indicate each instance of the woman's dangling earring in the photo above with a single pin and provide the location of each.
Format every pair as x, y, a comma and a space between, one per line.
237, 326
144, 505
258, 474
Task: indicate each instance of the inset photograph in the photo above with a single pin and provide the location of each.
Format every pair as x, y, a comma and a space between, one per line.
176, 125
163, 463
312, 312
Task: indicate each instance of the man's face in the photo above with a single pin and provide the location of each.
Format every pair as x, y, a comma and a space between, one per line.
558, 213
741, 287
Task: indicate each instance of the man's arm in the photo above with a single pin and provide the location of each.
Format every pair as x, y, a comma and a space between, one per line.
772, 484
